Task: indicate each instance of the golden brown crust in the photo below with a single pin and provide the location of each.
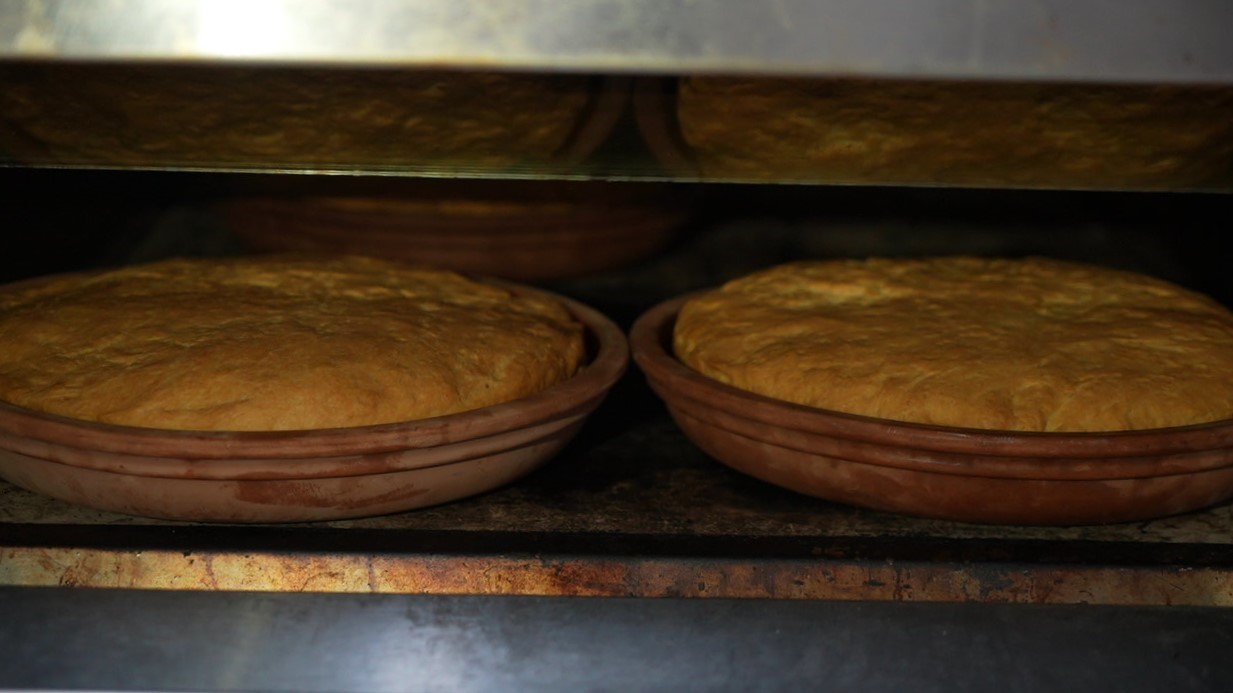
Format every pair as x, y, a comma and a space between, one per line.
1029, 345
277, 343
854, 130
263, 116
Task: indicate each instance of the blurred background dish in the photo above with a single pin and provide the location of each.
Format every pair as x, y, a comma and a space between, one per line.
510, 229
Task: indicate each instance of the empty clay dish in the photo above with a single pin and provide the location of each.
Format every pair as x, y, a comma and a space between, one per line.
949, 473
290, 476
525, 231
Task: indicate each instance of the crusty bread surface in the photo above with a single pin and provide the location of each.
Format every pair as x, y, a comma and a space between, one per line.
265, 116
968, 133
277, 343
1002, 344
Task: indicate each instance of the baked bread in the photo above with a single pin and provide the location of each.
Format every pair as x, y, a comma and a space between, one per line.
963, 133
277, 343
1024, 345
259, 116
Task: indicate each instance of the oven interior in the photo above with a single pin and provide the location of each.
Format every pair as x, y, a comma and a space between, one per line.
631, 509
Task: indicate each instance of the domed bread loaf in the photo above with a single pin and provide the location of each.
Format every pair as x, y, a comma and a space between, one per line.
267, 117
959, 133
277, 343
1025, 345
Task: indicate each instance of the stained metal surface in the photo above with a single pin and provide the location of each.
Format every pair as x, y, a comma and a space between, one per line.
1107, 40
126, 640
822, 578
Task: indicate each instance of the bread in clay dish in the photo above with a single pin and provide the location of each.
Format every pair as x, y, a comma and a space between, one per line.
277, 343
996, 344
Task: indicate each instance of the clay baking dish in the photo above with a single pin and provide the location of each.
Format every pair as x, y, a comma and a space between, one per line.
512, 229
293, 476
948, 473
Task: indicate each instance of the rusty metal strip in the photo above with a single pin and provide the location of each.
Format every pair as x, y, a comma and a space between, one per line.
824, 579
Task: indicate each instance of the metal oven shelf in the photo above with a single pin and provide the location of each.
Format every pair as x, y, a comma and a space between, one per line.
1140, 41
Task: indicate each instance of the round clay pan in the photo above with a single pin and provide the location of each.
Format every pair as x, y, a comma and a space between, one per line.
296, 476
972, 475
514, 230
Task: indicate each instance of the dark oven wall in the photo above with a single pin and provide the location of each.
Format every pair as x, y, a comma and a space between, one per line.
61, 220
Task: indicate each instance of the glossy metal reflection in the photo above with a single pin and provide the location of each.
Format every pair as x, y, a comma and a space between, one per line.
1140, 40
